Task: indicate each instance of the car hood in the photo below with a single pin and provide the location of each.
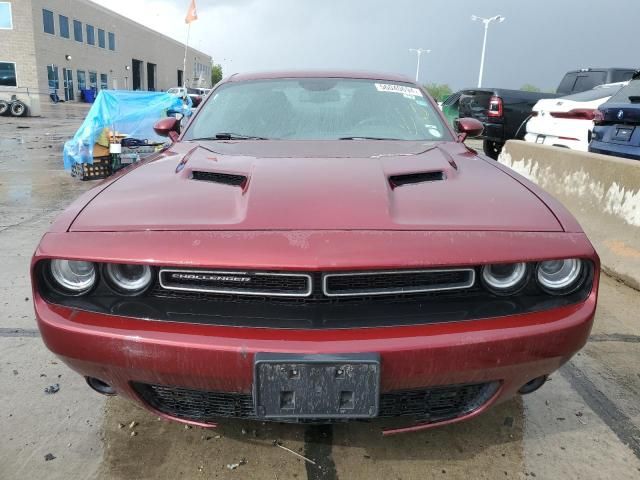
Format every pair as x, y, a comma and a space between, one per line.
330, 185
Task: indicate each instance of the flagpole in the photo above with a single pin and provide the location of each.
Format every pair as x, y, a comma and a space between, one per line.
184, 65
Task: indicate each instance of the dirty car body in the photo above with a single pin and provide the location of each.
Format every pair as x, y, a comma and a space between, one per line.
316, 247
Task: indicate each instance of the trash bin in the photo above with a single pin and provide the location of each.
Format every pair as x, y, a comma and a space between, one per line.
89, 95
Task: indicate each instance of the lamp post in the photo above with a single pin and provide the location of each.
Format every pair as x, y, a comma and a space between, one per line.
486, 21
419, 51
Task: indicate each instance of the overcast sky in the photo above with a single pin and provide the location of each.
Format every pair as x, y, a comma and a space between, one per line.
539, 41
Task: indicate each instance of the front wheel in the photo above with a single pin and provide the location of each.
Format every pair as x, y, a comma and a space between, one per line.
492, 149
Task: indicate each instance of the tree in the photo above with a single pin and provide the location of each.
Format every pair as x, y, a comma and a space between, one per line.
438, 91
216, 73
527, 87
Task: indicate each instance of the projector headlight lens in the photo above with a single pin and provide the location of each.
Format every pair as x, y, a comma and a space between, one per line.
73, 276
559, 276
128, 279
504, 279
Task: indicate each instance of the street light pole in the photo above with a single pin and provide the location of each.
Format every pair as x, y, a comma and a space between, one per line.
419, 51
486, 22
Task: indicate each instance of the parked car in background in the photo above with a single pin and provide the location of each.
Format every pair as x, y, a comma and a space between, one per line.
505, 112
585, 79
568, 121
365, 265
617, 124
204, 91
193, 93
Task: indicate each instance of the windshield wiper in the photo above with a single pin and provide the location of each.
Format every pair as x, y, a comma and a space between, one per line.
230, 136
367, 138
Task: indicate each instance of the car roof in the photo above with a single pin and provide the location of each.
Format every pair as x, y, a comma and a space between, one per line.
242, 77
600, 69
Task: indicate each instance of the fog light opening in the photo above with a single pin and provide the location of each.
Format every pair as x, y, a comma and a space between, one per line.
100, 386
532, 385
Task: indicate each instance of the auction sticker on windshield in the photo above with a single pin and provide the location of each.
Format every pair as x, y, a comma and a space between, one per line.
403, 89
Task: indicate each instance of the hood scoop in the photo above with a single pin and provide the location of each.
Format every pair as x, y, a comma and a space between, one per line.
232, 179
418, 177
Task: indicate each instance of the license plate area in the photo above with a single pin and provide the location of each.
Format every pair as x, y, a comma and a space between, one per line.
623, 133
316, 386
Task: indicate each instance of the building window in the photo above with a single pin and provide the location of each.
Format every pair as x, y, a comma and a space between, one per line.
8, 74
77, 31
104, 81
6, 20
52, 77
47, 22
64, 26
91, 35
93, 80
101, 43
112, 41
82, 80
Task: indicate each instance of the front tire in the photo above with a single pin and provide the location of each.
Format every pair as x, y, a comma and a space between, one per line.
4, 107
492, 149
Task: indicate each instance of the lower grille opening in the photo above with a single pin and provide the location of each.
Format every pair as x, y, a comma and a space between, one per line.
432, 404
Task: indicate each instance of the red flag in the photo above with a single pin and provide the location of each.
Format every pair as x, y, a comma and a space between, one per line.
192, 14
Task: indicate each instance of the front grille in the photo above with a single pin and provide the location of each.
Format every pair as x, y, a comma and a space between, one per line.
433, 404
396, 282
237, 283
316, 285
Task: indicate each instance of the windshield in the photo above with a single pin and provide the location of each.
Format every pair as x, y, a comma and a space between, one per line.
318, 109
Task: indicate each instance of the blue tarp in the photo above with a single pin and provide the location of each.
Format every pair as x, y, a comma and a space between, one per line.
130, 113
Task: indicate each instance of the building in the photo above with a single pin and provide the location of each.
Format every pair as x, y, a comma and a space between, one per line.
66, 46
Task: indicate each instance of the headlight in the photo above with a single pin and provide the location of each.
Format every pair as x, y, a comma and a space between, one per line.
504, 279
559, 276
76, 277
128, 279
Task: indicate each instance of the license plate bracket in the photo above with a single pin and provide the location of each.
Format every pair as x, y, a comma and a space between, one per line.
623, 133
316, 386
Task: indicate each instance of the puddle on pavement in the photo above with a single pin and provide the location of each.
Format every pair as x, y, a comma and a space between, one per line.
160, 449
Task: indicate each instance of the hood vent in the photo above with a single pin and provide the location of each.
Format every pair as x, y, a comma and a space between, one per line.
411, 178
224, 178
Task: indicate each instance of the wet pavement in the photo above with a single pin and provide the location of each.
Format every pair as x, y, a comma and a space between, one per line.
584, 424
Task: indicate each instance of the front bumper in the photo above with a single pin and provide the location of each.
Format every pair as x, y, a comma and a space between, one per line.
121, 351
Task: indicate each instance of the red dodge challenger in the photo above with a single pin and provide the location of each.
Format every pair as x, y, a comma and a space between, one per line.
316, 247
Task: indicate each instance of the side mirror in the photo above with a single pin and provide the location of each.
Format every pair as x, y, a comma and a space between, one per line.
468, 127
168, 127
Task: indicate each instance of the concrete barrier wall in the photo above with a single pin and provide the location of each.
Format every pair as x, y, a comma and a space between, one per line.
602, 192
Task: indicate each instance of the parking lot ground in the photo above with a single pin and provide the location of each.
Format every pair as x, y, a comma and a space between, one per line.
584, 424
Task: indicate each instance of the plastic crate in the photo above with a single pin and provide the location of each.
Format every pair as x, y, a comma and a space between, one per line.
85, 171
